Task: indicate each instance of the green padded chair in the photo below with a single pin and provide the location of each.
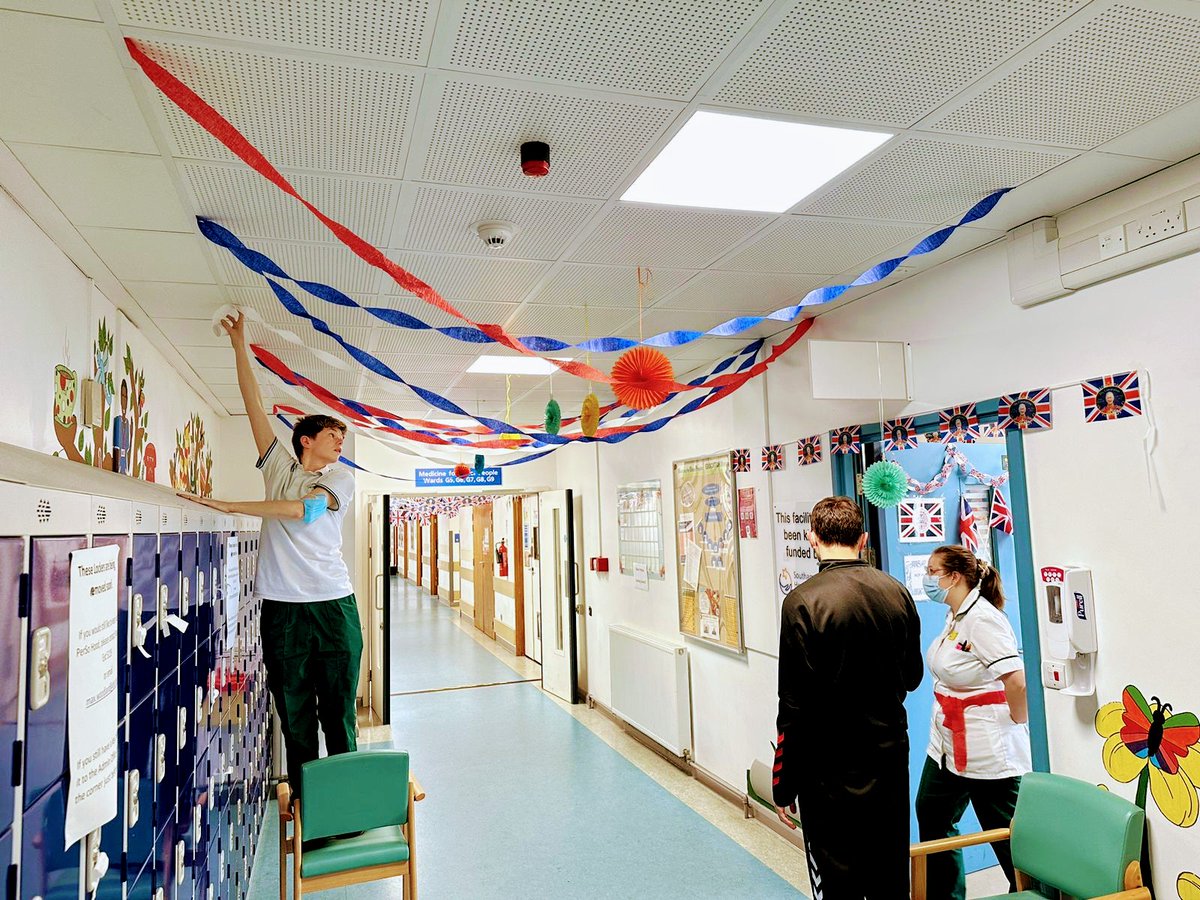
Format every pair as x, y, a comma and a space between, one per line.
371, 791
1067, 834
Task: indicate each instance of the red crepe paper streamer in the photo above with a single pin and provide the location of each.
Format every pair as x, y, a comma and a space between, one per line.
642, 378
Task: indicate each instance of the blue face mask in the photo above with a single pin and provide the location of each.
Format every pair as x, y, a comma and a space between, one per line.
932, 590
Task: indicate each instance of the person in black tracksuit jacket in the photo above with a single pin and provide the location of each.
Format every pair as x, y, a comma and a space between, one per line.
849, 652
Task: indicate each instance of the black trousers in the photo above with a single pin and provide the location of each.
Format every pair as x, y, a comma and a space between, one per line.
942, 799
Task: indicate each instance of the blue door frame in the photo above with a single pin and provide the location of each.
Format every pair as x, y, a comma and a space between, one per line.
846, 467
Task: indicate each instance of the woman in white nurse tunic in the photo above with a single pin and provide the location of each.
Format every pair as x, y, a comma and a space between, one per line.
978, 742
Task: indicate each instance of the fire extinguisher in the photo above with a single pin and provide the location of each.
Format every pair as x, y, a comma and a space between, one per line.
502, 558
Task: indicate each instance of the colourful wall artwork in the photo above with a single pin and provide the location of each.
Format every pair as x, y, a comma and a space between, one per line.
191, 466
90, 444
142, 457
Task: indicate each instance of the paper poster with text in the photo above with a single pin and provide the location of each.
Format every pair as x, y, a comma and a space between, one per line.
795, 561
92, 692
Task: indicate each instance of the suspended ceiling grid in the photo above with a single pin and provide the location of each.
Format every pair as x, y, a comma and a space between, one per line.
402, 120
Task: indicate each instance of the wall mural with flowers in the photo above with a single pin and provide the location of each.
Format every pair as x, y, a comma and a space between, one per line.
191, 466
90, 446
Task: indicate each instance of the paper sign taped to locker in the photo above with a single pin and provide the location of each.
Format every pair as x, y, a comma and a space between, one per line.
233, 592
92, 692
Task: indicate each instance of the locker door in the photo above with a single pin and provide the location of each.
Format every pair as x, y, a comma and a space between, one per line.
141, 882
140, 788
169, 638
12, 564
46, 868
142, 665
166, 730
124, 544
46, 679
164, 860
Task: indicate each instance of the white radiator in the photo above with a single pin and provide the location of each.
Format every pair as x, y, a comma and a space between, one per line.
651, 687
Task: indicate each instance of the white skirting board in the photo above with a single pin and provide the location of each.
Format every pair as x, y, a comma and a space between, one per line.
651, 686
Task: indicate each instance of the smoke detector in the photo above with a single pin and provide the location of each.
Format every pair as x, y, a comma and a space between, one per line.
495, 234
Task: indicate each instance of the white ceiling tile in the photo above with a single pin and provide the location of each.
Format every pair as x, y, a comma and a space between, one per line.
465, 278
270, 310
300, 113
190, 333
658, 49
150, 255
416, 344
567, 323
251, 207
64, 84
886, 61
68, 9
394, 30
175, 300
800, 244
750, 291
479, 128
331, 264
578, 286
633, 235
217, 376
106, 189
417, 364
442, 221
931, 181
1119, 70
1173, 136
213, 357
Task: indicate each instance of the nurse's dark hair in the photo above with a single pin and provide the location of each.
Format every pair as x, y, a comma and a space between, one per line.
310, 427
837, 521
961, 561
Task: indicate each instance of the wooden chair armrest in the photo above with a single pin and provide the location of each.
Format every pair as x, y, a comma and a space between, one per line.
418, 791
1140, 893
941, 845
283, 793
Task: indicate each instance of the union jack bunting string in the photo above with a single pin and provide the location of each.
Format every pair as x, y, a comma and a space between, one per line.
1001, 517
1026, 411
773, 458
901, 434
740, 460
422, 509
845, 440
959, 424
955, 457
966, 525
1112, 397
808, 451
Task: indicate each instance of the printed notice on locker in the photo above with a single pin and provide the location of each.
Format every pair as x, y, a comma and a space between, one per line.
92, 692
233, 592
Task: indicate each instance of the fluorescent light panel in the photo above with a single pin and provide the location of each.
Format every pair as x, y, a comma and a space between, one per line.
721, 161
513, 365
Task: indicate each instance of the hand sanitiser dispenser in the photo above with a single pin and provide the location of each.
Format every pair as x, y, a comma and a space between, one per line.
1067, 609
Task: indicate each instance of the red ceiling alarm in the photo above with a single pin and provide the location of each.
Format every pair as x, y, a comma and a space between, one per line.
535, 158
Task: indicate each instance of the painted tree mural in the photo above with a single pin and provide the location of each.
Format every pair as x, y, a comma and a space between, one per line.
191, 466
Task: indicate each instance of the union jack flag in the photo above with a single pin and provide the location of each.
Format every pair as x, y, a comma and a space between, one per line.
967, 536
922, 520
740, 460
808, 451
772, 458
959, 424
1027, 411
1112, 397
901, 434
845, 440
1001, 518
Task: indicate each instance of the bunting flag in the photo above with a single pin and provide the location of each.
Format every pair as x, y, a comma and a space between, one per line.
845, 440
772, 458
808, 451
967, 536
955, 457
1001, 518
220, 128
1112, 397
959, 424
422, 509
1027, 411
901, 434
740, 460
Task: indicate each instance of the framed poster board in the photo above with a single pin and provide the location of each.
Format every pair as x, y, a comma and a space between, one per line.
639, 528
706, 551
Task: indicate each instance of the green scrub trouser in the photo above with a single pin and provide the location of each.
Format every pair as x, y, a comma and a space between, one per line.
941, 801
312, 653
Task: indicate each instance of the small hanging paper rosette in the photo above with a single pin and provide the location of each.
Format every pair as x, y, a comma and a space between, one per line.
553, 417
462, 470
589, 418
641, 378
885, 484
479, 463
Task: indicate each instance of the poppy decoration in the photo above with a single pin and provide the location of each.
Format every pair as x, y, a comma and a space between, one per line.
589, 418
642, 378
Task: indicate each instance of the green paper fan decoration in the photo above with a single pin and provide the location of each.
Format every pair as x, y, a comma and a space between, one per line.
885, 484
553, 417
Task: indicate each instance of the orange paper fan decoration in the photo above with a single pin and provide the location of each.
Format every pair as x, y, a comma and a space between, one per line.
589, 419
462, 470
642, 378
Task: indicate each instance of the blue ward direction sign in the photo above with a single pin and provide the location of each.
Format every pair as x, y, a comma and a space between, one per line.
445, 478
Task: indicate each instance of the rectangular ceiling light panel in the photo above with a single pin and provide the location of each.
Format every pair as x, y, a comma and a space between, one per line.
512, 365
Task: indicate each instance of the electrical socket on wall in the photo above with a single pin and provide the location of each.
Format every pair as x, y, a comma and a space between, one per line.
1156, 226
1112, 242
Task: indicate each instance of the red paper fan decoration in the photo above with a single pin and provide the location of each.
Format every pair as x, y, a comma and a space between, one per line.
462, 470
642, 378
589, 418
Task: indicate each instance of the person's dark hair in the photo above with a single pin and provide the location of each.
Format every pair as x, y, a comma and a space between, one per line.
310, 427
837, 521
961, 561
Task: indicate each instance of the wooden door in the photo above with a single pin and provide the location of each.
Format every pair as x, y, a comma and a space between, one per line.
515, 540
420, 554
433, 556
485, 594
404, 528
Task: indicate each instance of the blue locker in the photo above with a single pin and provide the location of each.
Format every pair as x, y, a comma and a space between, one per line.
6, 848
142, 750
166, 843
12, 564
166, 729
46, 685
141, 881
47, 870
169, 642
189, 829
142, 666
124, 544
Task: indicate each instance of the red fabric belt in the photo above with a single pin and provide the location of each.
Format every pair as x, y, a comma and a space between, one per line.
953, 709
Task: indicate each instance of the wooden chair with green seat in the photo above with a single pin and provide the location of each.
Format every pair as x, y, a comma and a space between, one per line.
1068, 835
369, 791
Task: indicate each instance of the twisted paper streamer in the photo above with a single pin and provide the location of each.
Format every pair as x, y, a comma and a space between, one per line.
954, 457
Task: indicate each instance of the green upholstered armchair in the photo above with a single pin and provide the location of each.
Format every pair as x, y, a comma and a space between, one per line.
370, 791
1067, 834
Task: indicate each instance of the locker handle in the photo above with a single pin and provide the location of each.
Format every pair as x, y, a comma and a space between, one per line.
39, 689
185, 592
140, 629
97, 862
133, 804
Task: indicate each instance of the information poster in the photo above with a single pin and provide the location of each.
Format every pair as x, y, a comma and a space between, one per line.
233, 592
92, 692
795, 561
706, 551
